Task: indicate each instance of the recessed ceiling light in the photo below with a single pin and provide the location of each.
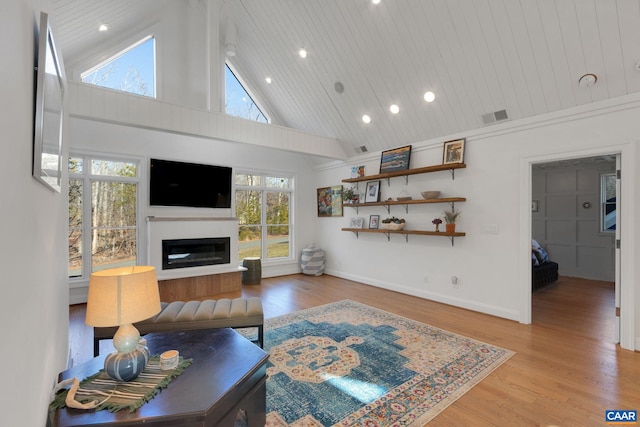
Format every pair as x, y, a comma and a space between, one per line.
429, 96
375, 1
366, 119
394, 109
267, 79
302, 53
103, 27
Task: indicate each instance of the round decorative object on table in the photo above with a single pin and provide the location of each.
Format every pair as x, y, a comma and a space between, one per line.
253, 274
127, 366
312, 261
169, 360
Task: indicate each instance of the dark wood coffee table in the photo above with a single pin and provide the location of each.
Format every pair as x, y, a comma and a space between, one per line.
225, 383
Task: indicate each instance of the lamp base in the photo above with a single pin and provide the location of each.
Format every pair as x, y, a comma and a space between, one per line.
127, 366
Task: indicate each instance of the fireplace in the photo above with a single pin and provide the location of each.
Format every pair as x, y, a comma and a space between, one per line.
183, 253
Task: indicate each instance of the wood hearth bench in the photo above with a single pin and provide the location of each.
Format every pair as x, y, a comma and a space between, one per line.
193, 315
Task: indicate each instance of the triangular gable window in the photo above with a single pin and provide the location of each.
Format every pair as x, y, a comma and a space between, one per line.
238, 102
132, 70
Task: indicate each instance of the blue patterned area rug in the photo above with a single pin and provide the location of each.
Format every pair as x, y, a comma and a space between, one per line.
348, 364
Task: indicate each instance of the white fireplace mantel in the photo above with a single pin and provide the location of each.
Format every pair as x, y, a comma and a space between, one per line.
166, 228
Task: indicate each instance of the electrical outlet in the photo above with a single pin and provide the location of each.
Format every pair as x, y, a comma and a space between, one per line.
454, 281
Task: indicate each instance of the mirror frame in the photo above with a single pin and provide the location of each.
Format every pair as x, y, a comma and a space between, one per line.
49, 113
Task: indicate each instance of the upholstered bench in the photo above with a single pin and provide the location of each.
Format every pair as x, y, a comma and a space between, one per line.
192, 315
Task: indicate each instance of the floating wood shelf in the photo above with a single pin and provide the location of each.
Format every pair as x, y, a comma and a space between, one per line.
406, 203
388, 203
406, 233
406, 173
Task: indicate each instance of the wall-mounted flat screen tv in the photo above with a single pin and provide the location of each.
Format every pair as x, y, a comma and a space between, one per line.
194, 185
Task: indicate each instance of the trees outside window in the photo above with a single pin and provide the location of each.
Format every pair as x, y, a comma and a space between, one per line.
132, 70
103, 227
263, 209
238, 102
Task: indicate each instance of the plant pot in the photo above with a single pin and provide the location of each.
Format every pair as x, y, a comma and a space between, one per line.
450, 228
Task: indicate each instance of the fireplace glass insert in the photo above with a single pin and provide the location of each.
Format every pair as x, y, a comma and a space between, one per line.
182, 253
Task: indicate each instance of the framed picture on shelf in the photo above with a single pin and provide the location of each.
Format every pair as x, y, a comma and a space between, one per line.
356, 222
357, 171
372, 194
374, 221
395, 160
453, 152
329, 201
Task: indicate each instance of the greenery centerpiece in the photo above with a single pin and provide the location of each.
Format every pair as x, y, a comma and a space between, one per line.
349, 195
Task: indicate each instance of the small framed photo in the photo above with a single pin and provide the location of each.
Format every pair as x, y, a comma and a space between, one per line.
357, 171
373, 192
453, 152
356, 222
395, 160
374, 221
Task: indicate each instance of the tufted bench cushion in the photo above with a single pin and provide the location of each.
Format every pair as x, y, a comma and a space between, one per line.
192, 315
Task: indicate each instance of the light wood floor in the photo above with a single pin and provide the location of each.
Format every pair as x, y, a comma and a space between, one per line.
566, 372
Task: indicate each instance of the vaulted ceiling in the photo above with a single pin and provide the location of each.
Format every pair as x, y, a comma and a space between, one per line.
478, 57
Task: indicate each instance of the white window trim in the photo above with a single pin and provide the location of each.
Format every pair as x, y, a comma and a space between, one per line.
103, 53
141, 196
247, 89
292, 190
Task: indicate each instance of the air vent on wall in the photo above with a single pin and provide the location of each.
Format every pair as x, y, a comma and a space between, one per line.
496, 116
361, 149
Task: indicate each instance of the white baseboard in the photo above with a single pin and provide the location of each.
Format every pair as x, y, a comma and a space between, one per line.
434, 296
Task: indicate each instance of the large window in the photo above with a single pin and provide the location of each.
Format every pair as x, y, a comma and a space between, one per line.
102, 214
263, 208
238, 102
132, 70
608, 203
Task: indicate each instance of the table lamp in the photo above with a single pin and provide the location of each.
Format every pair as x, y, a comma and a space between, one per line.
119, 297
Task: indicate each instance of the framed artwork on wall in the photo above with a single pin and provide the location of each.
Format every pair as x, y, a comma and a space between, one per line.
329, 201
373, 192
396, 159
453, 152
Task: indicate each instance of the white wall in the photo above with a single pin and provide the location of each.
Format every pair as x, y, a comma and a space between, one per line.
34, 313
493, 270
105, 138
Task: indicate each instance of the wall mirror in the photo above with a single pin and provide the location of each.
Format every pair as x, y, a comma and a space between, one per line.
50, 91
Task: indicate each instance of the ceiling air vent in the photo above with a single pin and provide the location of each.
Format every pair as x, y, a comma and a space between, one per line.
361, 149
496, 116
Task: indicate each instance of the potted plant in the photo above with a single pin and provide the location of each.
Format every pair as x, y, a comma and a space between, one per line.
437, 223
348, 195
450, 218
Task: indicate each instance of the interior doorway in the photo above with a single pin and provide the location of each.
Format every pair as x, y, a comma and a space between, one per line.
574, 218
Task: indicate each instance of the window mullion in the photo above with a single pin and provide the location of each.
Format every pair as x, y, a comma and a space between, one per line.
87, 261
263, 222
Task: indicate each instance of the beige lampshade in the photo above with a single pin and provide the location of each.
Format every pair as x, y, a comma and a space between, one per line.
119, 296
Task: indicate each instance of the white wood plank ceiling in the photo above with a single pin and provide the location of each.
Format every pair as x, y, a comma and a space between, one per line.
477, 56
